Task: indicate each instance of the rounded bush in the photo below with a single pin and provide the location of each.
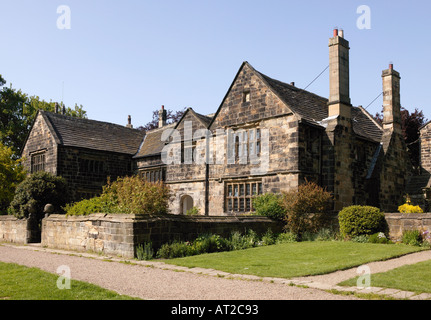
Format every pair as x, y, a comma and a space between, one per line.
38, 190
356, 221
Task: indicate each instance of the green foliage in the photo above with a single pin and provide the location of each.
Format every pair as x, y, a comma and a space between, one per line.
193, 211
412, 238
306, 208
269, 205
361, 220
286, 237
18, 111
11, 174
379, 237
88, 206
145, 251
36, 191
130, 195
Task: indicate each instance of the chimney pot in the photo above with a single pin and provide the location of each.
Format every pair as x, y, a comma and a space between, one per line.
341, 33
391, 66
129, 122
335, 32
292, 84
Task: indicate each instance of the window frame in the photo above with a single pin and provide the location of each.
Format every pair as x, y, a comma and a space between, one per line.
239, 195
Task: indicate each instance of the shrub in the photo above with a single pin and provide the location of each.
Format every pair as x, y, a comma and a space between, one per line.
268, 238
306, 208
379, 237
145, 251
409, 208
193, 211
175, 249
36, 191
269, 205
126, 195
361, 220
412, 237
135, 195
286, 237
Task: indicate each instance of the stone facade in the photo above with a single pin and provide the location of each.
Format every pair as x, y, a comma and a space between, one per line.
266, 136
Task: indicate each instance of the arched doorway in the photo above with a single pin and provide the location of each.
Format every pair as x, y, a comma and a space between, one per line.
186, 204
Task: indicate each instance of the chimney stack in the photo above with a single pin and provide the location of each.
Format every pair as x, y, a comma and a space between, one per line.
129, 122
162, 117
339, 78
391, 99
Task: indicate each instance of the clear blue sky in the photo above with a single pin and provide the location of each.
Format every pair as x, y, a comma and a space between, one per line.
132, 56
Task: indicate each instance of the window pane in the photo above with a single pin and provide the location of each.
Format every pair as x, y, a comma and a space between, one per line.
260, 188
241, 189
229, 205
241, 205
235, 204
254, 188
236, 190
229, 190
247, 204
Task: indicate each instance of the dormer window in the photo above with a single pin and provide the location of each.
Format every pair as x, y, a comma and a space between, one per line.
246, 96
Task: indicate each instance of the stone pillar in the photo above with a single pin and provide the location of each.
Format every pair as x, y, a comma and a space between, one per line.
162, 117
338, 143
339, 76
396, 164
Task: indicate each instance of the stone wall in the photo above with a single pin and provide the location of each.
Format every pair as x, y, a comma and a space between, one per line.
13, 230
399, 222
120, 234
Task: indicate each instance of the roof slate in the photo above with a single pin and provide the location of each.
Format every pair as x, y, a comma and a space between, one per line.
92, 134
314, 108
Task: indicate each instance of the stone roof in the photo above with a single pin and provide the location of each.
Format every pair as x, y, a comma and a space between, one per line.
153, 144
92, 134
313, 108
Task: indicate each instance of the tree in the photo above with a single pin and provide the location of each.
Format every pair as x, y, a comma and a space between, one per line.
11, 174
410, 124
36, 191
17, 113
171, 117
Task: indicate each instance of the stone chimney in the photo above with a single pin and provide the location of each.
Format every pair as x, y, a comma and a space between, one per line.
162, 117
129, 122
391, 100
339, 86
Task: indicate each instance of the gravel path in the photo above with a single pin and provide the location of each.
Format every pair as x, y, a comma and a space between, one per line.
152, 280
155, 283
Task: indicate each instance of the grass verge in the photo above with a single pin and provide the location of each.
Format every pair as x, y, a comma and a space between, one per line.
22, 283
296, 259
414, 278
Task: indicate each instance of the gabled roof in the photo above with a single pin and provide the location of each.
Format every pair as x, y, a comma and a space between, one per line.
313, 108
153, 144
91, 134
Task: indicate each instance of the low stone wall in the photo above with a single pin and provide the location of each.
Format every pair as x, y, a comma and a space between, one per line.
13, 230
399, 222
120, 234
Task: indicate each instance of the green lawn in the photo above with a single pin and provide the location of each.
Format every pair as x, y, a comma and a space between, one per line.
296, 259
22, 283
415, 278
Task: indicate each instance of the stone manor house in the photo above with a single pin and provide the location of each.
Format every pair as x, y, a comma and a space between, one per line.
266, 136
